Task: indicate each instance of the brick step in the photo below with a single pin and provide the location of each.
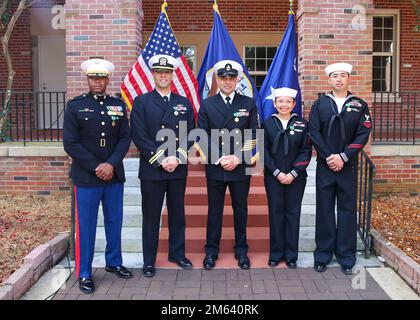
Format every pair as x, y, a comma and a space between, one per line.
196, 216
132, 216
198, 179
130, 239
197, 196
258, 239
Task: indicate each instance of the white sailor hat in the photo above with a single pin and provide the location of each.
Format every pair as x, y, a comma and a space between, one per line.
346, 67
97, 67
228, 68
163, 62
283, 92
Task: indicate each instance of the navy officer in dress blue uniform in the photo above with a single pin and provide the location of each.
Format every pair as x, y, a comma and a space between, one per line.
162, 170
97, 137
229, 113
340, 124
287, 153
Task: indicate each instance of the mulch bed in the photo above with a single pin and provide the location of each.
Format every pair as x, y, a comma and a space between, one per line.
27, 222
397, 219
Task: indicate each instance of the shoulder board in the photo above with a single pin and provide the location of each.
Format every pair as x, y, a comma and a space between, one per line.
82, 96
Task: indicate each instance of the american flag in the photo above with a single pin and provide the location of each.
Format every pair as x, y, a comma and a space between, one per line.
140, 80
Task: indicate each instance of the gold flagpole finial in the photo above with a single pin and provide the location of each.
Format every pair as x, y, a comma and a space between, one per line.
164, 5
216, 7
291, 7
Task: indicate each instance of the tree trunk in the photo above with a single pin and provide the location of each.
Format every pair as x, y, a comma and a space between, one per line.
4, 113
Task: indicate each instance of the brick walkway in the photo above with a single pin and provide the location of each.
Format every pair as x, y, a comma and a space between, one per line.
227, 284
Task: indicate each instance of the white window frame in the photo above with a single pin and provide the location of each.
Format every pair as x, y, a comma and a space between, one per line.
396, 13
195, 55
256, 73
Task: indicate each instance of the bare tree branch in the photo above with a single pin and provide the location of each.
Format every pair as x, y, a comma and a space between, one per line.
23, 4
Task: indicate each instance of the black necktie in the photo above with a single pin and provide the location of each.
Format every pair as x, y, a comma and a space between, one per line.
228, 102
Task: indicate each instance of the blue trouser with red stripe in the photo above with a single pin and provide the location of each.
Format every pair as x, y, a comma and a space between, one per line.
87, 205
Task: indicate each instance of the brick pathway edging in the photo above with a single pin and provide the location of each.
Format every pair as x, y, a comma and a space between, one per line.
406, 267
35, 264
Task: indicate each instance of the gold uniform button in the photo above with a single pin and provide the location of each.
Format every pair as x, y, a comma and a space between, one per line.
101, 103
152, 152
176, 139
86, 119
102, 112
103, 134
176, 126
102, 123
163, 127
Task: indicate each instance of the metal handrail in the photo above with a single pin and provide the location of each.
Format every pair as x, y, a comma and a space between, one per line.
367, 171
394, 117
35, 116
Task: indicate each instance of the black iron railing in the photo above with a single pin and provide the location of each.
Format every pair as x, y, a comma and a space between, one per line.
36, 116
364, 202
394, 118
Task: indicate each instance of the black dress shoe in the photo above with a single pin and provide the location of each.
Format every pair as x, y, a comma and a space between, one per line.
347, 270
273, 263
183, 263
149, 271
243, 262
86, 285
209, 262
320, 267
121, 272
291, 264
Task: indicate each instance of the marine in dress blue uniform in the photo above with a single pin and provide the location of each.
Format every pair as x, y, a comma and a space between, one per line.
97, 137
340, 124
287, 153
230, 114
162, 170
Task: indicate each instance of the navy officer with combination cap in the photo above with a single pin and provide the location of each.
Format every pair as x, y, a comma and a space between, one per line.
230, 114
339, 126
97, 137
162, 170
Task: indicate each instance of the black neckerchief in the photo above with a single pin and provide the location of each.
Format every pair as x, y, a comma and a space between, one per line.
282, 132
337, 115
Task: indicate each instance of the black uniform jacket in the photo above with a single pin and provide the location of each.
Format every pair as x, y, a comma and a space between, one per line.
151, 114
95, 131
286, 150
344, 133
230, 124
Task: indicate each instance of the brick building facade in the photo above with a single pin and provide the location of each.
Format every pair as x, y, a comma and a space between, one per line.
378, 37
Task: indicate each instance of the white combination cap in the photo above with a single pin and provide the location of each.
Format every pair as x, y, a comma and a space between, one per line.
226, 68
97, 67
163, 62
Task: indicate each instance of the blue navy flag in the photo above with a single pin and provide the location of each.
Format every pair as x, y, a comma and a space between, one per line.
221, 47
283, 72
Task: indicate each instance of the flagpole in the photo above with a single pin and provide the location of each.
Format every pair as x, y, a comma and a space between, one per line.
216, 7
291, 7
164, 5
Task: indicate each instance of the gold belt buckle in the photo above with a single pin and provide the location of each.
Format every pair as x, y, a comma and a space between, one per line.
102, 143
